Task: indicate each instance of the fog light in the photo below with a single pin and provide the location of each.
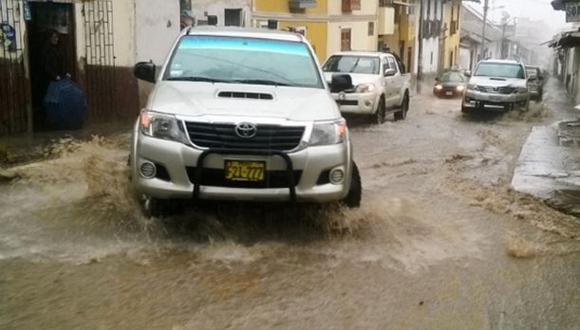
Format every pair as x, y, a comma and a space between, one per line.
368, 103
148, 170
336, 176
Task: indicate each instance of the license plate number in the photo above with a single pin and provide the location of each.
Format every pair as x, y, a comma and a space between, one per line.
238, 170
448, 93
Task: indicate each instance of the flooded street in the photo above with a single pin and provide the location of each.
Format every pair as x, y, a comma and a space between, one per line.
440, 242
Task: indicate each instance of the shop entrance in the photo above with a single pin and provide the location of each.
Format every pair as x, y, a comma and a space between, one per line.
52, 51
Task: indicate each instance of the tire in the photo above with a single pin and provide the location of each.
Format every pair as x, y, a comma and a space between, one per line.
354, 196
402, 113
379, 117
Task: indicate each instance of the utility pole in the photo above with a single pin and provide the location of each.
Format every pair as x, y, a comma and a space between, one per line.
420, 50
485, 9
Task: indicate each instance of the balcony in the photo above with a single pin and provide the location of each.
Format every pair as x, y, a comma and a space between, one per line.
386, 20
301, 4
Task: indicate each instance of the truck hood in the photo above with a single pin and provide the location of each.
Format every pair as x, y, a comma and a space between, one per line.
202, 99
497, 82
357, 78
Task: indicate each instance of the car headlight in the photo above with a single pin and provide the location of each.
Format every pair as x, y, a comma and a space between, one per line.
365, 88
438, 87
328, 133
161, 126
522, 90
460, 88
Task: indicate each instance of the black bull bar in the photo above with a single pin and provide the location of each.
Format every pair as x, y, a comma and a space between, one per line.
244, 152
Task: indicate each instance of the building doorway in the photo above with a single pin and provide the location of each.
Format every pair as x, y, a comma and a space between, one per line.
47, 20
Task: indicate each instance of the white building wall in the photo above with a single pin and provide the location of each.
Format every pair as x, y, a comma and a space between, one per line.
200, 9
430, 55
156, 28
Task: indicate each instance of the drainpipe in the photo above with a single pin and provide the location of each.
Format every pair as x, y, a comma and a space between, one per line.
420, 50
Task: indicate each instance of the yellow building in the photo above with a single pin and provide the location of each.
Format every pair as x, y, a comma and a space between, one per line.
397, 29
451, 18
329, 25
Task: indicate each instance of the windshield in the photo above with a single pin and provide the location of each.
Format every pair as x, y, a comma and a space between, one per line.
243, 60
352, 64
501, 70
452, 77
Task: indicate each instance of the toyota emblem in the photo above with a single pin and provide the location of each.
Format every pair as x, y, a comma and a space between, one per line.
341, 96
246, 130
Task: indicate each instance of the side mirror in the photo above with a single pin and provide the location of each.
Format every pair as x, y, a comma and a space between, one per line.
145, 71
467, 74
340, 82
390, 72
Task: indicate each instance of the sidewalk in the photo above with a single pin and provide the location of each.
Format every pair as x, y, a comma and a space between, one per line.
549, 163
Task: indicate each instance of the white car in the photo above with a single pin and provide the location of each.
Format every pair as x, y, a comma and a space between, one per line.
497, 85
244, 115
379, 84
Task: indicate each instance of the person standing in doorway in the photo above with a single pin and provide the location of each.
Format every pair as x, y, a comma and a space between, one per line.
51, 59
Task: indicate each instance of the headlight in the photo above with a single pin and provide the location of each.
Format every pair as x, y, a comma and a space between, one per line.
161, 126
471, 86
438, 87
365, 88
522, 90
460, 88
328, 133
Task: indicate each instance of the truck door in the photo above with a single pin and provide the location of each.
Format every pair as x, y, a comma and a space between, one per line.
395, 82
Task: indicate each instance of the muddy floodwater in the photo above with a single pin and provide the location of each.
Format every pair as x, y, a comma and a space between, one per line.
440, 242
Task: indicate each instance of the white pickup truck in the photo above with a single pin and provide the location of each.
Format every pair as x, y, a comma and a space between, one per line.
379, 84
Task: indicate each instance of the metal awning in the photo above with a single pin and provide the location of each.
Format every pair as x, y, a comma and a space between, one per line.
561, 4
569, 39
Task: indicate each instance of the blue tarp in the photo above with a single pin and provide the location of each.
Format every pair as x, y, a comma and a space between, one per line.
65, 105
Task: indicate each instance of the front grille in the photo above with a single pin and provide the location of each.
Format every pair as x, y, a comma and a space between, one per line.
347, 102
268, 137
216, 178
496, 90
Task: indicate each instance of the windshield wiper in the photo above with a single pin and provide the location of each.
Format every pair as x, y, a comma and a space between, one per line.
260, 82
203, 79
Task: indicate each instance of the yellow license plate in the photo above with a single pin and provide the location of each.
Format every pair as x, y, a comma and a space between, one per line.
237, 170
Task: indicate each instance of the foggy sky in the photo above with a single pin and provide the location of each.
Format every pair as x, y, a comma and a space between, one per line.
536, 9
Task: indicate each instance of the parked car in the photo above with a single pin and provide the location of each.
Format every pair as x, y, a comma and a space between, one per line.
535, 83
497, 85
242, 115
379, 84
450, 84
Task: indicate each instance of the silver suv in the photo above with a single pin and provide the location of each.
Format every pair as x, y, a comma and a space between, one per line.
241, 115
497, 85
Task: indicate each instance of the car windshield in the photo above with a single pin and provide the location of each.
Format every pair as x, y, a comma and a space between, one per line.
243, 60
352, 64
500, 70
452, 77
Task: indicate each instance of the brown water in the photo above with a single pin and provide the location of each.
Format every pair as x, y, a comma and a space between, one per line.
440, 242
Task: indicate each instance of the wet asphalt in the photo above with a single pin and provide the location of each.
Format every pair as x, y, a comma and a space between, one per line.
441, 241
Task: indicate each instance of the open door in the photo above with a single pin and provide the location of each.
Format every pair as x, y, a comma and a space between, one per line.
47, 20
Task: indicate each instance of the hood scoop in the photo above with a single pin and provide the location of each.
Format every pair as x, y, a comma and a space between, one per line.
498, 79
246, 95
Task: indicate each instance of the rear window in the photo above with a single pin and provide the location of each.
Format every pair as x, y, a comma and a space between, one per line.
452, 77
353, 64
501, 70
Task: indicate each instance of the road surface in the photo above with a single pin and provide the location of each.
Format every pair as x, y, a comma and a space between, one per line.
441, 241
